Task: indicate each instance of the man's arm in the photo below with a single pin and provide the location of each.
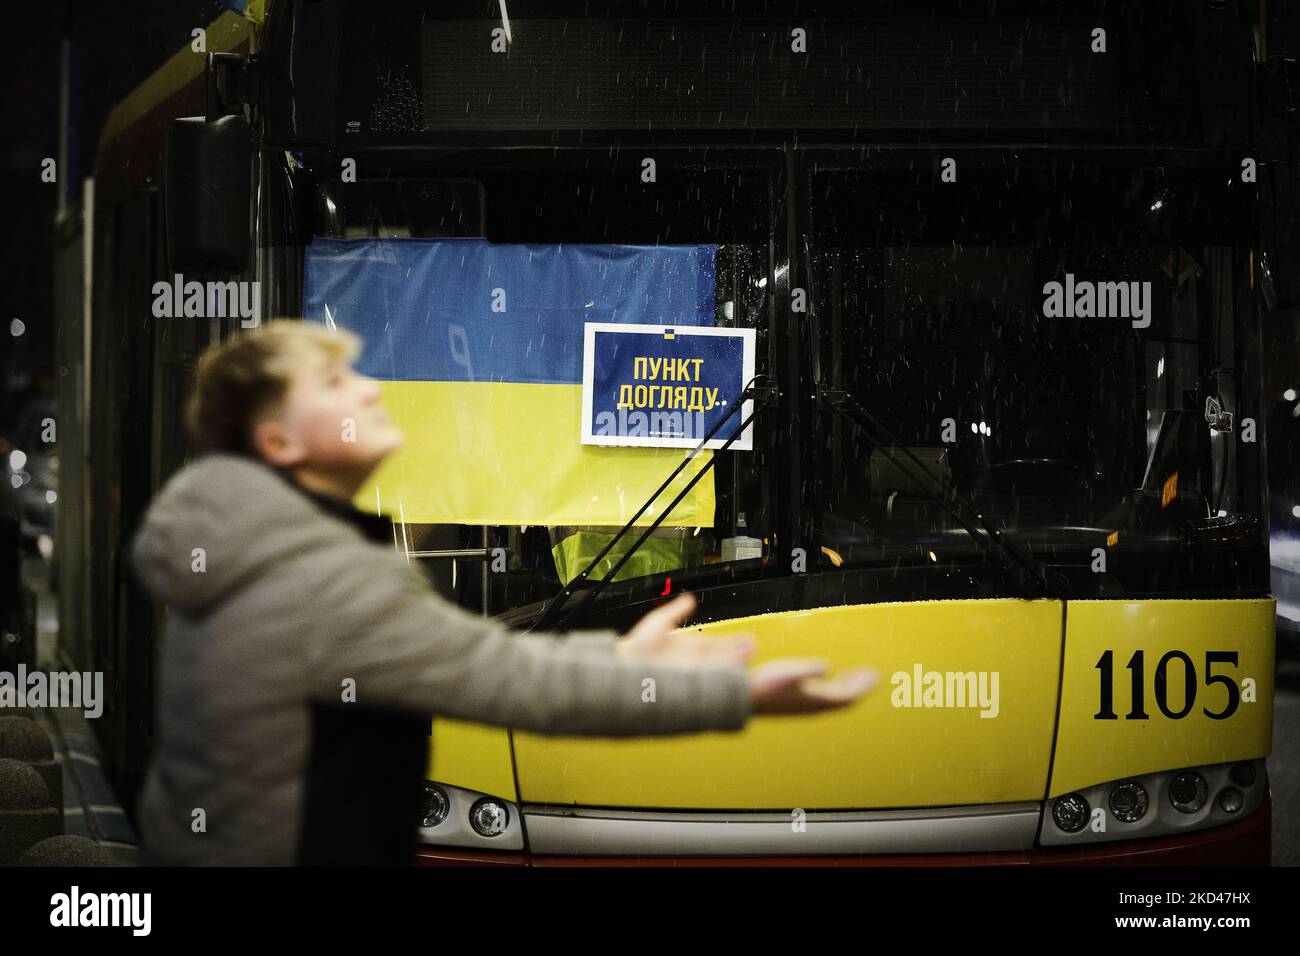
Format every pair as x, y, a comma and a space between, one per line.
404, 646
593, 640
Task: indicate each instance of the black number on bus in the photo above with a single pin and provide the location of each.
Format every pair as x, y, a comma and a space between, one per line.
1106, 710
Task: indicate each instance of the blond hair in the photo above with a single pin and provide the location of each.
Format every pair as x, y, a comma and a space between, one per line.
243, 378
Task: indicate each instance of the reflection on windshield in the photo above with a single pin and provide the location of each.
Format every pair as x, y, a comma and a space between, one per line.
1056, 339
1043, 421
1085, 422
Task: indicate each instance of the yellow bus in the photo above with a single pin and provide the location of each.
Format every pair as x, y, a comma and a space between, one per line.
1005, 280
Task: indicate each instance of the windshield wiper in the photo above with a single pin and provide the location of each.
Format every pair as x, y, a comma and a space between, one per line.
761, 391
1030, 576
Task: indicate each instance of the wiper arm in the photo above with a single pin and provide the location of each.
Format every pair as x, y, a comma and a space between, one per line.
761, 391
1031, 576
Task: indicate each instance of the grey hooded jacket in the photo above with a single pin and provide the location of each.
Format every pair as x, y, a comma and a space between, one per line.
277, 605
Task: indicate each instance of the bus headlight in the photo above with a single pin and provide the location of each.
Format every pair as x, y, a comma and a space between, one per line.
1188, 791
1162, 803
1070, 813
452, 816
489, 817
1128, 802
434, 805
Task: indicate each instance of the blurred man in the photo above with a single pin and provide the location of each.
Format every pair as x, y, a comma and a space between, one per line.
304, 654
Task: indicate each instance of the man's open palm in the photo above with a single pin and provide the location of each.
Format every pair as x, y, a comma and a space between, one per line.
794, 686
785, 686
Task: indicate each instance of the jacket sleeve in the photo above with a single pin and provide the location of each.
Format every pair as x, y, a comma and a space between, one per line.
593, 640
405, 646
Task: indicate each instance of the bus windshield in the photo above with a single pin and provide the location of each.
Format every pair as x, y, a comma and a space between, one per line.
1077, 390
1058, 342
573, 224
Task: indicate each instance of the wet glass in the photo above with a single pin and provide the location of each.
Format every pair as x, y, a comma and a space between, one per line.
1049, 339
585, 197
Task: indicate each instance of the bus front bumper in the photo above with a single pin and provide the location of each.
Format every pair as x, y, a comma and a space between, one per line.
1248, 842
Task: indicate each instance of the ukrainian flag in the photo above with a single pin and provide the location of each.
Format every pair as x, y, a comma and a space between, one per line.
479, 349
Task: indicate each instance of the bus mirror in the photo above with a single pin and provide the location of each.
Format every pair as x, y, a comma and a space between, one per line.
207, 194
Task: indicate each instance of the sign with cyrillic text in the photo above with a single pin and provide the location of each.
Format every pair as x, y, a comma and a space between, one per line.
665, 386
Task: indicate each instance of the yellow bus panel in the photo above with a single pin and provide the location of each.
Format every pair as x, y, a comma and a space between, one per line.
1104, 637
903, 746
472, 756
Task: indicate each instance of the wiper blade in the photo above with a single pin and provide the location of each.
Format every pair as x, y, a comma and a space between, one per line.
1031, 577
761, 391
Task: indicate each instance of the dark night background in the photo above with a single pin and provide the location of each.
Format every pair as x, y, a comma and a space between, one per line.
115, 46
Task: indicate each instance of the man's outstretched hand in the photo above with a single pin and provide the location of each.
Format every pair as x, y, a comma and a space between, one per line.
786, 686
799, 686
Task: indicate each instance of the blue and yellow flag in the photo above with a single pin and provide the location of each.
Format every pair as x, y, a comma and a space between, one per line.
479, 348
